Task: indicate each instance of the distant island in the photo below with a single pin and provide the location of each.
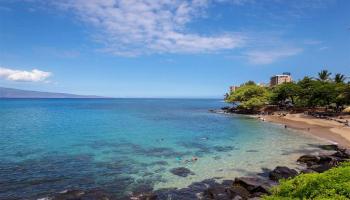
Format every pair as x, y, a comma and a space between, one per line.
17, 93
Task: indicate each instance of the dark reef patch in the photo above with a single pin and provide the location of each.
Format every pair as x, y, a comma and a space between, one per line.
252, 151
224, 148
54, 173
160, 162
181, 171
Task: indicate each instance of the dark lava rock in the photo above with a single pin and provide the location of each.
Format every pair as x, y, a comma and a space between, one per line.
265, 172
238, 192
253, 185
308, 159
320, 168
282, 173
328, 160
225, 108
319, 163
145, 196
181, 171
217, 193
342, 153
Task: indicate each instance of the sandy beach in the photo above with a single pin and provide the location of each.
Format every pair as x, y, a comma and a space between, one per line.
329, 130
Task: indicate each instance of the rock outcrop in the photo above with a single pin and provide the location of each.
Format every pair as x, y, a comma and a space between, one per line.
282, 173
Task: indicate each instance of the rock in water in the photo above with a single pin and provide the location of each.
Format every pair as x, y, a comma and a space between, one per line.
342, 153
181, 171
217, 192
238, 192
309, 159
253, 185
282, 173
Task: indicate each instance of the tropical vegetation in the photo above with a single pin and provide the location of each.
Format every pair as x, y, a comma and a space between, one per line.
332, 94
333, 184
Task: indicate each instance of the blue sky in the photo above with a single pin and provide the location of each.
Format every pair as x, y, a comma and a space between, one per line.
168, 48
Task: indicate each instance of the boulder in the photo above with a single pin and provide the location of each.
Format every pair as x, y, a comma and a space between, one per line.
328, 160
238, 192
282, 173
261, 189
308, 159
342, 153
319, 163
181, 171
320, 168
217, 193
253, 185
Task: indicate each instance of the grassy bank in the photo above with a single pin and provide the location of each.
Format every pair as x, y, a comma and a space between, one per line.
333, 184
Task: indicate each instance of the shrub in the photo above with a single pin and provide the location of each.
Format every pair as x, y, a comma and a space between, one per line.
333, 184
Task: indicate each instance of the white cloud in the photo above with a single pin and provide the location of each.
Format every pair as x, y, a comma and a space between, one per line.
269, 56
34, 75
135, 27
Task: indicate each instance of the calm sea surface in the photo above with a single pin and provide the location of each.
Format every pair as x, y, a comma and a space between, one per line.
121, 145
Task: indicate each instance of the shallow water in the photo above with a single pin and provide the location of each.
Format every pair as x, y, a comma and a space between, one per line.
121, 145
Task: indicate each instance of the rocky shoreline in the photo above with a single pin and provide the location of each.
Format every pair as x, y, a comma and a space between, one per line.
241, 188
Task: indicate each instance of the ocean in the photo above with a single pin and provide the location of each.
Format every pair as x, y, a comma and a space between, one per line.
122, 146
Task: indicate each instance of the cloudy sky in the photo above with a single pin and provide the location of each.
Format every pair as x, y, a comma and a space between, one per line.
167, 48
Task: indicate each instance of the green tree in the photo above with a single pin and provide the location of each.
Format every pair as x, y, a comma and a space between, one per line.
285, 92
248, 83
249, 97
339, 78
324, 75
323, 93
306, 93
306, 86
342, 96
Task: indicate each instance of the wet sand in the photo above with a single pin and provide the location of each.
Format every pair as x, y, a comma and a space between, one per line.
329, 130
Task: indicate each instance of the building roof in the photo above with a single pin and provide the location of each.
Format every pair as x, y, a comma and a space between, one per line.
281, 75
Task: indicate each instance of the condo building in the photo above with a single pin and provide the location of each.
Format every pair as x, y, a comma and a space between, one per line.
279, 79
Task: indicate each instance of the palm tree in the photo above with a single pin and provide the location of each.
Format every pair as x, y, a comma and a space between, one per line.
339, 78
324, 75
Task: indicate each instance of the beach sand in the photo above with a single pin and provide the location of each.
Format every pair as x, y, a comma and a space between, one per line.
329, 130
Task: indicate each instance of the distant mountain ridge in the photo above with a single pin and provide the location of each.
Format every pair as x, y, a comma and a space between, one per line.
18, 93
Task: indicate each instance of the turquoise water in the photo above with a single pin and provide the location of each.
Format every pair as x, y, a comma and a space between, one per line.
122, 145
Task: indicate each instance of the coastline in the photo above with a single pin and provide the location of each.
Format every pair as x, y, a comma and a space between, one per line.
331, 131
